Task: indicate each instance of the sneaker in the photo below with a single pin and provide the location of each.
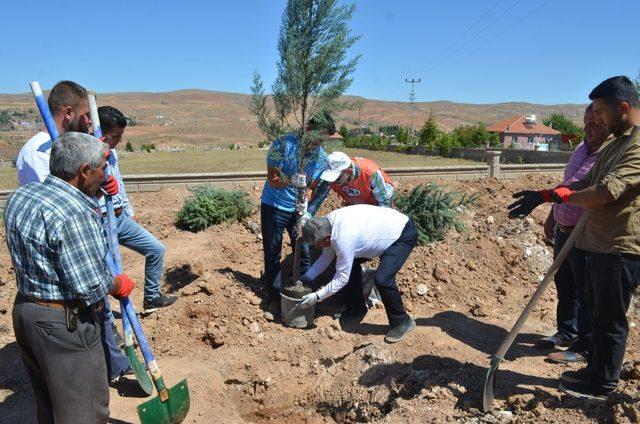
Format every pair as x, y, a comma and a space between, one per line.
555, 341
582, 374
399, 332
116, 336
160, 302
584, 389
567, 357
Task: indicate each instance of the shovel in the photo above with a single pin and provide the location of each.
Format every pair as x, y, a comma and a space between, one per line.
490, 382
171, 405
138, 368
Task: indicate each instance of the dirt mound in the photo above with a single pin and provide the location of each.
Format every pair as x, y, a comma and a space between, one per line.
464, 293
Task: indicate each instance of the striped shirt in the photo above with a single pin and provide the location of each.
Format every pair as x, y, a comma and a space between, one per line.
121, 199
579, 165
56, 243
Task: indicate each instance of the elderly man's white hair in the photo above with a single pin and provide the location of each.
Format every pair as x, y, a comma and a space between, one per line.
71, 151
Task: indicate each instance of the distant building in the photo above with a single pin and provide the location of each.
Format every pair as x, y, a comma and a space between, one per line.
526, 133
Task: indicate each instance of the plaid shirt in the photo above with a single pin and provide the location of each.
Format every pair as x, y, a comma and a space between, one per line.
121, 199
56, 243
579, 165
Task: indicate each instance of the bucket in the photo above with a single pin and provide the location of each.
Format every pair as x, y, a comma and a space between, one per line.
294, 317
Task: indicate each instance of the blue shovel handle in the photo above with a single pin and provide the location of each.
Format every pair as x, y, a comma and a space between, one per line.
47, 118
114, 264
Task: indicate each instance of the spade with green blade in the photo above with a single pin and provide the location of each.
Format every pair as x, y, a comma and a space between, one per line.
172, 404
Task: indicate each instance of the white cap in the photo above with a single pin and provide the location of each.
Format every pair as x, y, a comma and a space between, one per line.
336, 163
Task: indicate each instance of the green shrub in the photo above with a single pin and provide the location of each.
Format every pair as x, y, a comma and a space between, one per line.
434, 211
211, 206
148, 148
128, 147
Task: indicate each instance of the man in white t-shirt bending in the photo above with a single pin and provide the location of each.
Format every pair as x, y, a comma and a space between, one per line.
353, 235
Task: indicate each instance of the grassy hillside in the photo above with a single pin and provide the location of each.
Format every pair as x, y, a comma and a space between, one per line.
198, 118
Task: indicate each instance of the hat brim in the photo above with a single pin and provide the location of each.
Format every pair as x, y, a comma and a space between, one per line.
331, 175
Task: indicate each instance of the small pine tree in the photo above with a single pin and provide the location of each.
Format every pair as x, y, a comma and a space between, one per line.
434, 211
128, 147
211, 206
429, 133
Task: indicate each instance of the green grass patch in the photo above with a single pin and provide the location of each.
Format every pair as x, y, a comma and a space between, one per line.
235, 161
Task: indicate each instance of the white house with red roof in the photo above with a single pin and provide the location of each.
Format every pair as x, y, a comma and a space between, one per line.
525, 132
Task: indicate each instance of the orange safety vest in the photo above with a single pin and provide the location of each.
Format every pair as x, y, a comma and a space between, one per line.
359, 191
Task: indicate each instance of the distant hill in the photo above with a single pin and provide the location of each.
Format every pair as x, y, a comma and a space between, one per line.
200, 118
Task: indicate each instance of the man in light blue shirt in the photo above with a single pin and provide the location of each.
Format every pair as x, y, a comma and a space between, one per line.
278, 203
130, 233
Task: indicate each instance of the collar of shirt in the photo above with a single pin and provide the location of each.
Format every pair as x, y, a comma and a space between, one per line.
71, 190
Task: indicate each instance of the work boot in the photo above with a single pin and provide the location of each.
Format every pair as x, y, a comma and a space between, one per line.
399, 332
161, 301
116, 336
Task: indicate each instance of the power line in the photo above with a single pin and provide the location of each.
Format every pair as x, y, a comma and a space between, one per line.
510, 27
484, 28
477, 21
412, 96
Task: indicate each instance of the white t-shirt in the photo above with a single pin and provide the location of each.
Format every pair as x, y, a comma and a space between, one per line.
358, 231
33, 159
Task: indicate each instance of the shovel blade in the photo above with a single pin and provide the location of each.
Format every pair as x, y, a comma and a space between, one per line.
139, 370
173, 411
490, 384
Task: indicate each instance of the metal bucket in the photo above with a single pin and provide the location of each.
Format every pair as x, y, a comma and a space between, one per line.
294, 317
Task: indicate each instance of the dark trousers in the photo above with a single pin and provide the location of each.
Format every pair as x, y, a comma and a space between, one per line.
66, 369
273, 224
385, 278
117, 362
572, 316
611, 281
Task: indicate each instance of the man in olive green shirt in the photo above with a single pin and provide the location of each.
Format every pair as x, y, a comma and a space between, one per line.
611, 238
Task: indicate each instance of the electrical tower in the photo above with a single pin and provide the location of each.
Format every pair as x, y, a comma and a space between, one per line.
412, 96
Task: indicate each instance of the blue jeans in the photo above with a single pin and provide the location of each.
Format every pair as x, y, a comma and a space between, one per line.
273, 223
133, 236
117, 362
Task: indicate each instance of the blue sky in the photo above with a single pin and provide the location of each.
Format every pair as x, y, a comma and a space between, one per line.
541, 51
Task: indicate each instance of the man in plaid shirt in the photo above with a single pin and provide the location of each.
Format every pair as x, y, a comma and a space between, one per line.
573, 324
58, 253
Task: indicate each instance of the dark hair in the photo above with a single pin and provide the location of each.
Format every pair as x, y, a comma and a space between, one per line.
66, 93
110, 118
323, 122
615, 90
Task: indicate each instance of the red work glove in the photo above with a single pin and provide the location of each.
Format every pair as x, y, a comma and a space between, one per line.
559, 194
125, 288
110, 185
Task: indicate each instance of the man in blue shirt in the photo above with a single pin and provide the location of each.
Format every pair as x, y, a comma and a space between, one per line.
130, 233
278, 203
58, 253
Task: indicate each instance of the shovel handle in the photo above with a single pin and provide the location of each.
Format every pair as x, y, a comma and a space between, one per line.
116, 264
43, 107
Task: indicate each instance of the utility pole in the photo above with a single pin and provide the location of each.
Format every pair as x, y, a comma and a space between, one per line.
412, 96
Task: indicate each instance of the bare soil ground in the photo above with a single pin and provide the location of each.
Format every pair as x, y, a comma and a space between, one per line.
465, 293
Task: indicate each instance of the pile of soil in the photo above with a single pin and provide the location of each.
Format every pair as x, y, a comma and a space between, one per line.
296, 290
464, 293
